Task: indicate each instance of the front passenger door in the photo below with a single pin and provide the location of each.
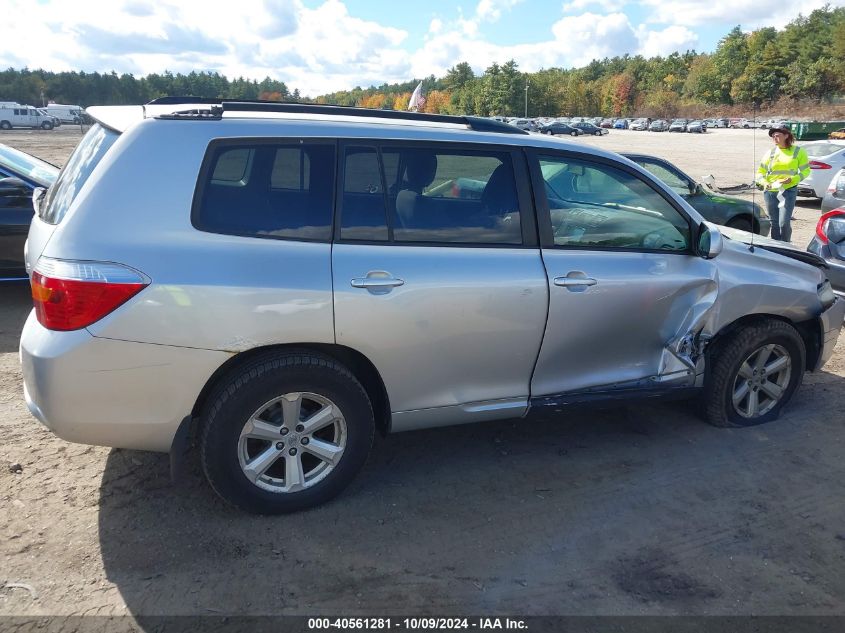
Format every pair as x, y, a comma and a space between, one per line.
624, 283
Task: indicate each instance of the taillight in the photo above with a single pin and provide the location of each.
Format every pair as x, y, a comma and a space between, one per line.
821, 227
70, 295
817, 164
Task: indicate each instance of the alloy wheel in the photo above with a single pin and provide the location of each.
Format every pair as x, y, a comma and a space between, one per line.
762, 381
292, 442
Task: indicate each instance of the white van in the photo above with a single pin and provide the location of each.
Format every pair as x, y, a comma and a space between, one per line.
65, 113
17, 115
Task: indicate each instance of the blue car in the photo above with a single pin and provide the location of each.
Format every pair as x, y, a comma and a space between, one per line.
20, 175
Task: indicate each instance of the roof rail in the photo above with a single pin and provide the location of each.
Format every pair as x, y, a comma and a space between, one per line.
478, 124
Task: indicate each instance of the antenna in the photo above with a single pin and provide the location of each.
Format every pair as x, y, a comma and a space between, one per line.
754, 174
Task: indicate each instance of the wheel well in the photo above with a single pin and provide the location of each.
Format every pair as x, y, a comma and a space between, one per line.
746, 217
809, 331
354, 361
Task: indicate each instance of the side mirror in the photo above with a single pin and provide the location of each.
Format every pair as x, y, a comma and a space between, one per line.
710, 241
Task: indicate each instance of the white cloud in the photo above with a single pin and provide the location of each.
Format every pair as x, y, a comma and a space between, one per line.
491, 10
667, 41
750, 14
574, 41
322, 48
315, 50
606, 5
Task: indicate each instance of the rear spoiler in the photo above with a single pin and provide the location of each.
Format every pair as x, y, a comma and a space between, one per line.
116, 118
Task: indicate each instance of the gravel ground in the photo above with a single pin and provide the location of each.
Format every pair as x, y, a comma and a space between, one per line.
638, 510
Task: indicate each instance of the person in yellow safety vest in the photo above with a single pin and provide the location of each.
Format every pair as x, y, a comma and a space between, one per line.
780, 171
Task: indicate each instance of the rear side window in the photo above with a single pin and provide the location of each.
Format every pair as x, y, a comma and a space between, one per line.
267, 190
431, 195
84, 159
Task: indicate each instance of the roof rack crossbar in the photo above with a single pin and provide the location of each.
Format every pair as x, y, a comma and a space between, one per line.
479, 124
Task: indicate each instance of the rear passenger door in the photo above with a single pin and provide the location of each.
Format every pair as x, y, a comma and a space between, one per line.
438, 278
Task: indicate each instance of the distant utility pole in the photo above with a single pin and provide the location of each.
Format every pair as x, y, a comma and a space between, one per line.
526, 98
43, 103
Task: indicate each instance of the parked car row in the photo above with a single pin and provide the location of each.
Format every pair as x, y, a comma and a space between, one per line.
16, 115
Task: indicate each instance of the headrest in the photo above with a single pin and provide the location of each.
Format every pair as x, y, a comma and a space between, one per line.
420, 168
499, 193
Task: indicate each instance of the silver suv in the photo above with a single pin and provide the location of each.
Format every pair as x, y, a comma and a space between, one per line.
276, 283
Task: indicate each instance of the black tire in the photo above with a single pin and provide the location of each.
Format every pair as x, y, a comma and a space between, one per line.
5, 125
573, 133
46, 125
743, 224
267, 377
597, 133
725, 360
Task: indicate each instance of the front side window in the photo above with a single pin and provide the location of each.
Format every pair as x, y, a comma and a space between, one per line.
594, 205
279, 190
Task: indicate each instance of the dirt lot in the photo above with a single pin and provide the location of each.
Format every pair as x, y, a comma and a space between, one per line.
639, 510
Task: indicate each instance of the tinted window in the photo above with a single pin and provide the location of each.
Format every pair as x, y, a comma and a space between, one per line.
273, 190
363, 208
75, 173
594, 205
437, 195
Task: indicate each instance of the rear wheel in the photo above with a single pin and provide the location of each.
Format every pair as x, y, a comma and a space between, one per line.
285, 433
5, 125
753, 374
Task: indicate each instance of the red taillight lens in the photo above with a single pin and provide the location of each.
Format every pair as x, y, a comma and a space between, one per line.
817, 164
821, 227
70, 295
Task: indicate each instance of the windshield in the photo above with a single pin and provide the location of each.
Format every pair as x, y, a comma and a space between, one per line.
82, 162
28, 166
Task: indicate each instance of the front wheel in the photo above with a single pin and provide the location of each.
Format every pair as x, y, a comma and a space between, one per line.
573, 133
597, 132
753, 373
5, 125
46, 125
286, 433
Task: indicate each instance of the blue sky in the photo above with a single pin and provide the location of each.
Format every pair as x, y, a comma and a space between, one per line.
321, 46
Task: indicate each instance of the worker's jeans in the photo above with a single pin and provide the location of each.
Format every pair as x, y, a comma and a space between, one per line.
781, 220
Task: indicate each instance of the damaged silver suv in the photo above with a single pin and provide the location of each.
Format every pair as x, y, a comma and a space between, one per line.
274, 283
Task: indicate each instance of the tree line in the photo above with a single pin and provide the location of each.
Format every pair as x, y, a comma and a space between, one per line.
804, 60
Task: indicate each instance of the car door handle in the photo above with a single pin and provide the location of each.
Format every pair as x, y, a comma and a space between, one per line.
377, 280
574, 281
